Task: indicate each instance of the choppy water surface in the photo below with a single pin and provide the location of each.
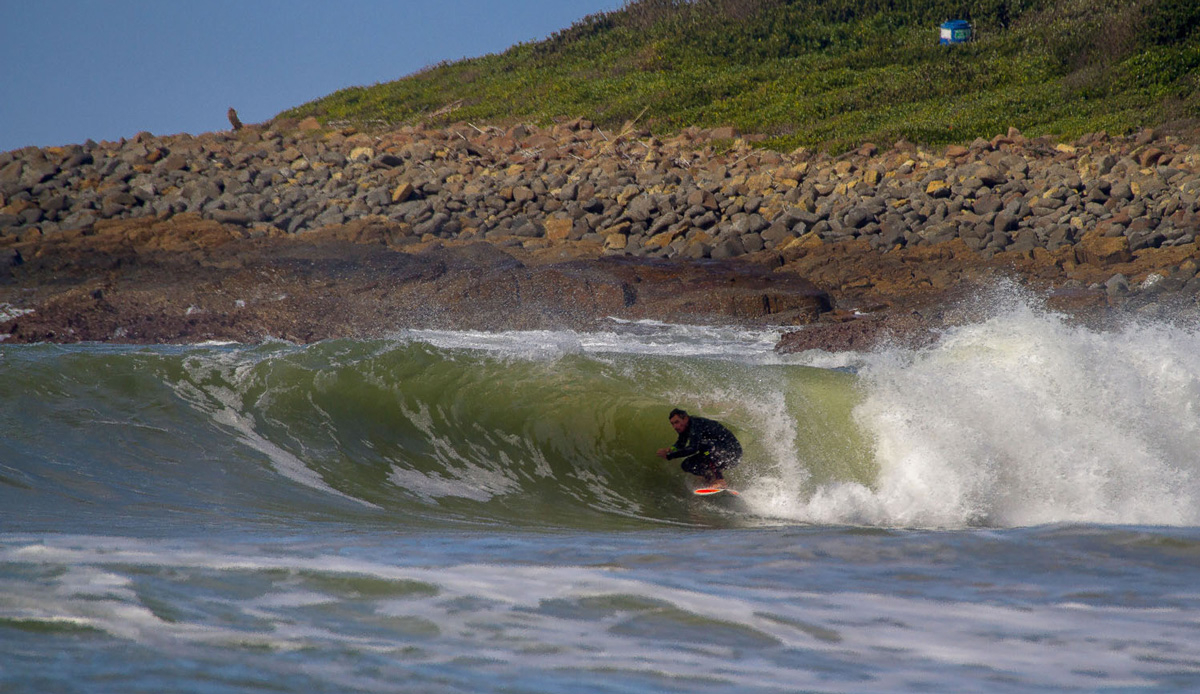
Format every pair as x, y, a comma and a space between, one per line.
1014, 509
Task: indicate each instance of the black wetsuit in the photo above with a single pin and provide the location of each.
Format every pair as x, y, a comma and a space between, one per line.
709, 447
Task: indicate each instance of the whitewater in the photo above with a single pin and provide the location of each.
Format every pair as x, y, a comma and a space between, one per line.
1014, 508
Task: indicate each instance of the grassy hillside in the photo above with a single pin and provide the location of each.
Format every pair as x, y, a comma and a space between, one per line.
829, 73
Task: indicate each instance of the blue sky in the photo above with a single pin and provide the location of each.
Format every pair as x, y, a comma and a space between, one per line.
105, 69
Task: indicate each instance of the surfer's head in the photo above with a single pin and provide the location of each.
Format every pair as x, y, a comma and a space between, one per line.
679, 420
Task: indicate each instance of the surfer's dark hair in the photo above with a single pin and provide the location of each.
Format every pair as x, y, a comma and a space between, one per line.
677, 413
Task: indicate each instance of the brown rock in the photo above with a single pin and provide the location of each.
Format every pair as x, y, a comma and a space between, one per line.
402, 192
662, 240
615, 242
559, 228
173, 162
618, 228
938, 189
1150, 156
1096, 249
704, 199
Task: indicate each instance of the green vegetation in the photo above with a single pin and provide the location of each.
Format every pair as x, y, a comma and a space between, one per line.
824, 73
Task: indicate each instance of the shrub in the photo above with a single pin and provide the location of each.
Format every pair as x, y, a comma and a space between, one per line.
827, 73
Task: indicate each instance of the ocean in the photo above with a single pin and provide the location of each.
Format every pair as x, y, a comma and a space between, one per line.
1012, 509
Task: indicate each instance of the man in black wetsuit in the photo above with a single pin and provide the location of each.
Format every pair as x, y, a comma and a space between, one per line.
709, 447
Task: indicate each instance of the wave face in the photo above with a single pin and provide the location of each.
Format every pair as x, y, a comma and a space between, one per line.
1019, 419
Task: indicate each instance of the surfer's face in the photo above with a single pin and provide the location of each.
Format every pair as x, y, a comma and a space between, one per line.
679, 423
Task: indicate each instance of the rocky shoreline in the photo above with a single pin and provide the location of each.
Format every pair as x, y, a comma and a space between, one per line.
301, 232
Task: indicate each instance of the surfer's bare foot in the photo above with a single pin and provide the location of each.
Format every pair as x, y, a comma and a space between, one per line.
717, 484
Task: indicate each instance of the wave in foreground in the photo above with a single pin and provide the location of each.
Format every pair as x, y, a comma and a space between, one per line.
1019, 419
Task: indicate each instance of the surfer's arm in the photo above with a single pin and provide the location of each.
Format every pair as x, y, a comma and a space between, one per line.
681, 449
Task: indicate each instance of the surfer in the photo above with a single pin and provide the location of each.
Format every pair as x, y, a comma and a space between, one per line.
707, 447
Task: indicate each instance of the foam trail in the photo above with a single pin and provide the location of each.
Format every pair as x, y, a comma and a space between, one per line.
283, 462
221, 405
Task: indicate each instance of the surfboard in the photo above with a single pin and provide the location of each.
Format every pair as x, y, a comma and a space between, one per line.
713, 491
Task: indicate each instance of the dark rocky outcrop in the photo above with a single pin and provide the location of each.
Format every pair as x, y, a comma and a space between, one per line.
527, 227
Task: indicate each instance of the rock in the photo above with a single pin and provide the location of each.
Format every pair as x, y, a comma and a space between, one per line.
1122, 191
11, 173
1117, 285
38, 173
727, 248
239, 217
891, 234
528, 229
858, 217
988, 204
704, 199
568, 192
743, 223
559, 228
641, 208
172, 162
116, 203
990, 176
615, 241
402, 193
55, 203
1005, 221
938, 189
1094, 249
1150, 156
78, 220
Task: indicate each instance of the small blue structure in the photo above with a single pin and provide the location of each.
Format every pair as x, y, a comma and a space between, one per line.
955, 31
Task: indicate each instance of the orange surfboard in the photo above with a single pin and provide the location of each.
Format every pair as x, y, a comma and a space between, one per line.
710, 491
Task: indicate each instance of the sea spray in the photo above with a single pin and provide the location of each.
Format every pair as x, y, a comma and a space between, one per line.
1025, 418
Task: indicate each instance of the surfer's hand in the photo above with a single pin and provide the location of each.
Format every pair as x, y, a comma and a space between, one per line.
662, 453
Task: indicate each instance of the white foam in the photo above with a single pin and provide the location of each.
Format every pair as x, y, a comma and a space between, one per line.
431, 486
9, 312
460, 474
511, 619
638, 337
1025, 419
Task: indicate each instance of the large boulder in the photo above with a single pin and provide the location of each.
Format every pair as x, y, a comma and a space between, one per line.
1096, 249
